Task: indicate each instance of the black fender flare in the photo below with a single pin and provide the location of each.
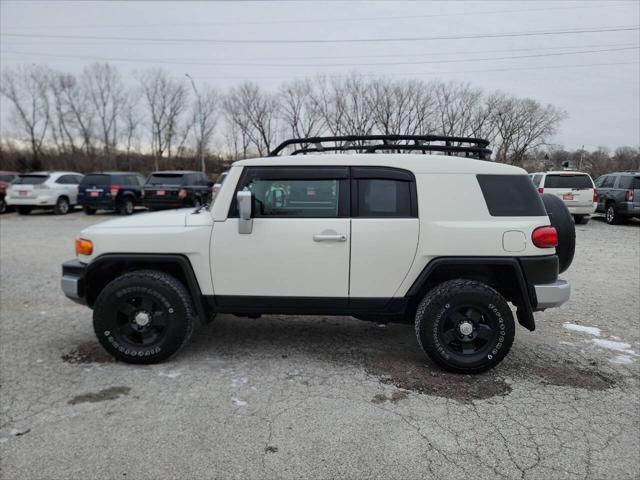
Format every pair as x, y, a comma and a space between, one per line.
133, 261
525, 308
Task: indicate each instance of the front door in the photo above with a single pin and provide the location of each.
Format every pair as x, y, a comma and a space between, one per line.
300, 241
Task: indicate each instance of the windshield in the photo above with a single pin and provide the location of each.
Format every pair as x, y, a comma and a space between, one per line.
30, 179
165, 179
96, 179
568, 181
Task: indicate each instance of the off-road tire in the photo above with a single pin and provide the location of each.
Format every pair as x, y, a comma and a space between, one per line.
63, 206
561, 220
434, 311
23, 210
171, 296
126, 206
89, 210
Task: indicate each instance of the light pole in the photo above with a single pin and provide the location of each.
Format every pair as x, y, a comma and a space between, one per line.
201, 121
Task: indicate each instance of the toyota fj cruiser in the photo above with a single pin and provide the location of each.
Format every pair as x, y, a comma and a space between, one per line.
445, 241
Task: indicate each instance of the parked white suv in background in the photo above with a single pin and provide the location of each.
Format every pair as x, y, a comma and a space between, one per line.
441, 241
56, 190
576, 189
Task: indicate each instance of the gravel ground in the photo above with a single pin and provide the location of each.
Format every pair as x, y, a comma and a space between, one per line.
317, 397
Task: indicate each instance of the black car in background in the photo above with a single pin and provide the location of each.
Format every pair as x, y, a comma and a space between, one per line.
121, 191
619, 196
176, 189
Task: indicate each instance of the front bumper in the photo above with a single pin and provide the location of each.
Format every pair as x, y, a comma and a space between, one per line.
73, 281
550, 295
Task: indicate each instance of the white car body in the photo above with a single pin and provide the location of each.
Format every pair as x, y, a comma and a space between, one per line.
47, 193
576, 189
384, 256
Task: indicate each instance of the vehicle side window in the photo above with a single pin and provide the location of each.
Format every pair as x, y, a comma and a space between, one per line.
64, 180
383, 198
77, 179
600, 181
141, 179
609, 181
625, 182
296, 192
536, 180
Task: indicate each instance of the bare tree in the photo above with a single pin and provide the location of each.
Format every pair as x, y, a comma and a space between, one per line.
26, 89
165, 99
106, 94
298, 110
254, 112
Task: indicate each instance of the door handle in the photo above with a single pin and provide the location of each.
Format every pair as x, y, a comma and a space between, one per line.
323, 237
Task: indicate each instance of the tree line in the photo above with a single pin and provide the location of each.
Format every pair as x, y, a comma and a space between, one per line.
96, 120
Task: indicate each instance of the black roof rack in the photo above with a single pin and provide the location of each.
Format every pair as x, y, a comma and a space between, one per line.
459, 146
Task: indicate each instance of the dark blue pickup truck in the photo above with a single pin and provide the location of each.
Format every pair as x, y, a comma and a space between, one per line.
121, 191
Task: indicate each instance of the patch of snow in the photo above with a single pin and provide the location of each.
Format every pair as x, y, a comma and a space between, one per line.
238, 403
238, 382
581, 328
611, 345
174, 374
622, 360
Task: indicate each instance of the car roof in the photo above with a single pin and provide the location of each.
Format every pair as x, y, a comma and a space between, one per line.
417, 163
565, 172
40, 173
627, 172
173, 172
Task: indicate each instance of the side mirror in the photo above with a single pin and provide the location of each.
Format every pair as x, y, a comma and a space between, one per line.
245, 207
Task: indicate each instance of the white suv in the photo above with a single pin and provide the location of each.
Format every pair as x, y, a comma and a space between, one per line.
576, 189
56, 190
444, 242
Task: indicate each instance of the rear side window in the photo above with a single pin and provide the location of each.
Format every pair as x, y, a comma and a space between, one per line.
609, 181
93, 179
629, 183
568, 181
6, 178
383, 198
511, 196
165, 179
536, 180
30, 179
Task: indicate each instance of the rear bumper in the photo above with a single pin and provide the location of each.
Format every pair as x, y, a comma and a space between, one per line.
582, 209
40, 201
550, 295
73, 281
105, 204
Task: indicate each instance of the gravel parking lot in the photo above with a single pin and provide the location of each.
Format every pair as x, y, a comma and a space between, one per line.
317, 397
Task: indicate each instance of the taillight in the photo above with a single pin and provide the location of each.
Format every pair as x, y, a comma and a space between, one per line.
628, 196
182, 194
540, 190
595, 196
114, 190
545, 237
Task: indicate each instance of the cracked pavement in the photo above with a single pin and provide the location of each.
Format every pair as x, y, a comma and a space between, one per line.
316, 397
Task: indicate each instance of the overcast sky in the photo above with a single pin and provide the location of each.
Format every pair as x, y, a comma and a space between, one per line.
223, 43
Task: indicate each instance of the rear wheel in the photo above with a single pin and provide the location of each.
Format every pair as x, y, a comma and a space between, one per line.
126, 207
611, 215
465, 326
89, 210
3, 206
23, 210
62, 206
143, 316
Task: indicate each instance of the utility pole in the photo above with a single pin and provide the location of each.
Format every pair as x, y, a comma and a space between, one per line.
580, 164
201, 122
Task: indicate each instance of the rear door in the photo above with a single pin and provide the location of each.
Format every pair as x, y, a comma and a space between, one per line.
384, 230
299, 243
575, 189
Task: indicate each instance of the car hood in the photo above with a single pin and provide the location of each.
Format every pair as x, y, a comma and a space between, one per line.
164, 218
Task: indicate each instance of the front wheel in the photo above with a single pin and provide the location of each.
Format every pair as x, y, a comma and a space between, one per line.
465, 326
126, 207
62, 206
143, 316
611, 215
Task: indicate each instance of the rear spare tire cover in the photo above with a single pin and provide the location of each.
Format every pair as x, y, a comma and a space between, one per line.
561, 219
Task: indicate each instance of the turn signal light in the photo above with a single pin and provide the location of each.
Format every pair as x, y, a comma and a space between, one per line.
84, 247
545, 237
